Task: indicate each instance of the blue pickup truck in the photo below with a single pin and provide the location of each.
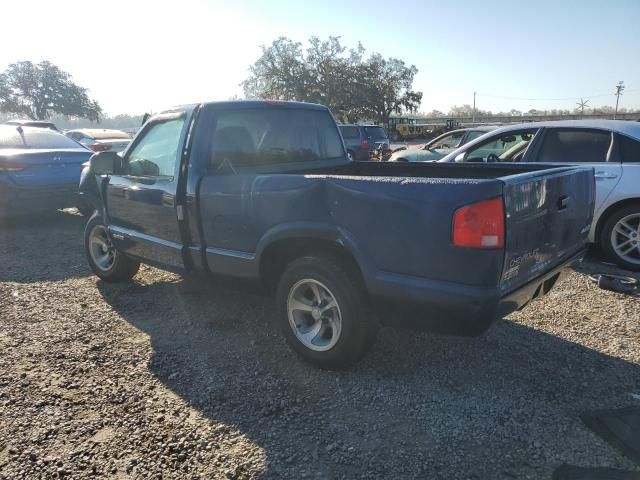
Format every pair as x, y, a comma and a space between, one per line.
264, 191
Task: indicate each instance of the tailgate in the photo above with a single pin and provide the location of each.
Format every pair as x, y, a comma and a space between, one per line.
548, 217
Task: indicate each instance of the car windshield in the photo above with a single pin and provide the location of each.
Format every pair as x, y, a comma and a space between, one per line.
506, 147
446, 142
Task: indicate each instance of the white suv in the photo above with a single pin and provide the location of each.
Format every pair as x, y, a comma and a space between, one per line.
611, 147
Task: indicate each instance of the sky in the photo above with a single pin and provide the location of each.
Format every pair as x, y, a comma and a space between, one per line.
143, 56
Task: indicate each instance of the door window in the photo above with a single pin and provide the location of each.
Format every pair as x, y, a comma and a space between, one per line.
629, 149
350, 132
507, 147
156, 154
574, 146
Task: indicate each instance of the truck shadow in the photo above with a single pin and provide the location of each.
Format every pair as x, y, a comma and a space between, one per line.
509, 397
32, 247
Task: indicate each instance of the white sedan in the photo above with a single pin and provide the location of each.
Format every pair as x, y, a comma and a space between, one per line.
611, 147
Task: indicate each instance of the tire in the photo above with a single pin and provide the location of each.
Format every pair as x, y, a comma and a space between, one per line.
615, 237
345, 332
115, 266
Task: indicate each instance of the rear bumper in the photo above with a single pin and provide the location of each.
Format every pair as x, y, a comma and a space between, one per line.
454, 309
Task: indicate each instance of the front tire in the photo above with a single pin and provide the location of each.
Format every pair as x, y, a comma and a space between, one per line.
323, 312
620, 237
104, 259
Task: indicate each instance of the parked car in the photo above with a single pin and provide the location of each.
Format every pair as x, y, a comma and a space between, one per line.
441, 145
362, 141
101, 139
39, 169
265, 192
611, 147
32, 123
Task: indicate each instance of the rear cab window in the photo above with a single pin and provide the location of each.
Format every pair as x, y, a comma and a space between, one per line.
251, 138
573, 145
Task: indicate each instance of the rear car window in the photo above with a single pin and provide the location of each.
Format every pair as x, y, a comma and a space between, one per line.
43, 138
375, 133
10, 138
259, 137
350, 132
108, 134
629, 149
575, 146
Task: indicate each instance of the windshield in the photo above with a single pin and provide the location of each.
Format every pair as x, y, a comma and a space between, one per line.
449, 141
506, 147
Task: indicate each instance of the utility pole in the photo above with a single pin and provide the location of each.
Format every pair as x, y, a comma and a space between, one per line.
582, 103
619, 89
473, 115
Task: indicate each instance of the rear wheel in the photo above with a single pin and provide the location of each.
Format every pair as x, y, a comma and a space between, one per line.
620, 237
323, 312
106, 262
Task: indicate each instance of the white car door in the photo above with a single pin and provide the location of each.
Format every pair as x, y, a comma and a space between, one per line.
629, 186
583, 146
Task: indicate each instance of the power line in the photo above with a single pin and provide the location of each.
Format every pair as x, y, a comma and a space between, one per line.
551, 99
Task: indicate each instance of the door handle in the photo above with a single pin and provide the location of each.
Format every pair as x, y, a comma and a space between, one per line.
604, 175
563, 202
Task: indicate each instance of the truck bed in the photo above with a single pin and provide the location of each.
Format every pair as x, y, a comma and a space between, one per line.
399, 216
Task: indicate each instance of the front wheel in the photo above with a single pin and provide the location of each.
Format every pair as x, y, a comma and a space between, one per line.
323, 312
620, 237
106, 262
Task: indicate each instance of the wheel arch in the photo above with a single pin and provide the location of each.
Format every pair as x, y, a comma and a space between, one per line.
604, 216
279, 250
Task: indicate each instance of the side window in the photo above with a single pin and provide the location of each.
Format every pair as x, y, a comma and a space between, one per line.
269, 136
350, 132
629, 149
574, 146
156, 153
507, 147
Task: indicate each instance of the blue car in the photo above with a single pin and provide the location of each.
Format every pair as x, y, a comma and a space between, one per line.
39, 169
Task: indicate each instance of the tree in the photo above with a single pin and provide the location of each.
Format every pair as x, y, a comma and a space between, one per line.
38, 91
352, 86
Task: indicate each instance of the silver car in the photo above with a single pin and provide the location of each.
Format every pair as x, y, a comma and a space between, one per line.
612, 147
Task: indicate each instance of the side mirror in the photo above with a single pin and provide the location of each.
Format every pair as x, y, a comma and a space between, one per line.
460, 158
105, 163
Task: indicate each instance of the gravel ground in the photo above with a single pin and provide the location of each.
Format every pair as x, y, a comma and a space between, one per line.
170, 378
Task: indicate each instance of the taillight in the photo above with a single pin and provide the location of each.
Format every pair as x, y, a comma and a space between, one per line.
480, 225
365, 144
12, 166
99, 147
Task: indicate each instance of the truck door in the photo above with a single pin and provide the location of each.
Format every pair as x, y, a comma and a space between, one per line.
141, 200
